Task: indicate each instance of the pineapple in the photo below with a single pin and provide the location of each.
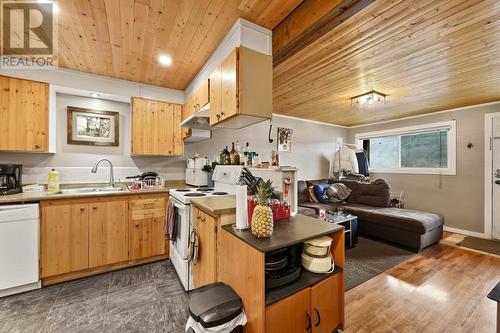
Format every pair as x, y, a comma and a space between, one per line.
262, 218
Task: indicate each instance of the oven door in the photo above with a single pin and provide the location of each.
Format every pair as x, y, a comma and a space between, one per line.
182, 216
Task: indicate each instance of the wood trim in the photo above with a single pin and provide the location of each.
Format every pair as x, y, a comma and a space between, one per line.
98, 270
329, 21
116, 117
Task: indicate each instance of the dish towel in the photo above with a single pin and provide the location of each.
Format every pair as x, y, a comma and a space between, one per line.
168, 227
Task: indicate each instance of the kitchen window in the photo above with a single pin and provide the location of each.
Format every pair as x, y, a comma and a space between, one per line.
424, 149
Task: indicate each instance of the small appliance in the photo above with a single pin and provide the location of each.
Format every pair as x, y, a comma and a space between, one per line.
10, 178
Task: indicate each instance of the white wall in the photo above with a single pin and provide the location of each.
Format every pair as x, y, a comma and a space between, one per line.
75, 161
312, 149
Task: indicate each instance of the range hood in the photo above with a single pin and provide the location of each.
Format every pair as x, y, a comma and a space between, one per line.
199, 120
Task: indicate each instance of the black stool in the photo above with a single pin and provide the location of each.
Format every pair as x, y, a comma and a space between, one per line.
214, 305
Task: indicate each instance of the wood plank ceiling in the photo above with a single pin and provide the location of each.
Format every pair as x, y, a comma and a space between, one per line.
427, 55
123, 38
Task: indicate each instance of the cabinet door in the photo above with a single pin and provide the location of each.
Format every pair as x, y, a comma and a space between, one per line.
177, 141
155, 127
108, 232
229, 83
291, 314
205, 269
215, 95
24, 115
326, 304
202, 95
147, 218
64, 238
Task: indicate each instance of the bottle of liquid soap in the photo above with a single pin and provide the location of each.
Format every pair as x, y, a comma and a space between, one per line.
53, 181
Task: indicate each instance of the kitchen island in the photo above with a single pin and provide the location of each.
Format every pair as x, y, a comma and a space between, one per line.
313, 303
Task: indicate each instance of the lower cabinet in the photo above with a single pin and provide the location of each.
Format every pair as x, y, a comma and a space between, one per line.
315, 309
147, 217
205, 267
108, 232
64, 235
82, 236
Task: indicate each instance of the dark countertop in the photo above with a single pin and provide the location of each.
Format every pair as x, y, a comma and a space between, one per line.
216, 205
495, 293
298, 229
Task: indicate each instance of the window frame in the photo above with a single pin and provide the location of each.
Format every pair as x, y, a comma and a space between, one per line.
451, 146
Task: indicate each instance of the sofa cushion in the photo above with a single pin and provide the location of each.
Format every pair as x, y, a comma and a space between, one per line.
338, 192
353, 186
302, 191
318, 206
312, 195
320, 190
377, 193
397, 218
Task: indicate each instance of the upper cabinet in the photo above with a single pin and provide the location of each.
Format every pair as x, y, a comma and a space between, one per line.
195, 102
241, 89
156, 128
24, 115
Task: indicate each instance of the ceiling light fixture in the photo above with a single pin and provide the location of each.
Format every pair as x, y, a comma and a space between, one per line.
95, 95
371, 97
165, 60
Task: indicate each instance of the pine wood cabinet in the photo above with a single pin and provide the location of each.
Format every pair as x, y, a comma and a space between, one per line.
108, 232
195, 102
147, 217
82, 237
156, 128
241, 89
205, 268
317, 309
24, 115
64, 237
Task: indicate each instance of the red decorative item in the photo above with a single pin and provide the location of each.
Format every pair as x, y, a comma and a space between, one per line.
250, 206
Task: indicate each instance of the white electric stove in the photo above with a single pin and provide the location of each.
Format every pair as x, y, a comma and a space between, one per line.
179, 249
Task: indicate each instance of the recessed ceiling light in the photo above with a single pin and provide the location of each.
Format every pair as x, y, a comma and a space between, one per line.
95, 95
165, 60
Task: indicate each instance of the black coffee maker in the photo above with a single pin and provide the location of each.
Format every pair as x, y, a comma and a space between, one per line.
10, 178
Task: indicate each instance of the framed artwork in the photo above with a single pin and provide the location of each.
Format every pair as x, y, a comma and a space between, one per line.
285, 139
93, 127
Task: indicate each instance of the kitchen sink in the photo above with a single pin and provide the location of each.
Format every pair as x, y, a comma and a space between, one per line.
84, 190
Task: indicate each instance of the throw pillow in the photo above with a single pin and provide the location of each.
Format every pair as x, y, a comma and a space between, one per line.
319, 190
312, 196
338, 192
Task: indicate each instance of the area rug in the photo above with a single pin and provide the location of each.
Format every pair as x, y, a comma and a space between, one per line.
483, 245
370, 258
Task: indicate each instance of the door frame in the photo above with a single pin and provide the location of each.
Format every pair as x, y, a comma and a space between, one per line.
488, 173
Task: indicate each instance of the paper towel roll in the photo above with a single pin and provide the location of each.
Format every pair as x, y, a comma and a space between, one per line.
241, 207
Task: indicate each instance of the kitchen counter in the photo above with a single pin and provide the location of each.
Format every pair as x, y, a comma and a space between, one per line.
216, 205
40, 196
296, 230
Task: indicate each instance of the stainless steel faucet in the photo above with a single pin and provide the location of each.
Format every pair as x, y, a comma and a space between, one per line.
111, 178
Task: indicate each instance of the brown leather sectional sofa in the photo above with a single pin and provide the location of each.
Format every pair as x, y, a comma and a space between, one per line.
410, 228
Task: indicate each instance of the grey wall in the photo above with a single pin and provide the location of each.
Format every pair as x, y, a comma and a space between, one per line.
75, 161
312, 149
459, 198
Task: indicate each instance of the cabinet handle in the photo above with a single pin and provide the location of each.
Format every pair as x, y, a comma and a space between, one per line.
137, 225
94, 208
82, 209
37, 146
222, 113
218, 116
308, 327
202, 219
319, 317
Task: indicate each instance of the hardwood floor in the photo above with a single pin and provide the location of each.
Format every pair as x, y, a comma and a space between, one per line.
442, 289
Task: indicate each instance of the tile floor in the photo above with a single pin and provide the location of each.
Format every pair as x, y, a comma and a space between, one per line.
147, 298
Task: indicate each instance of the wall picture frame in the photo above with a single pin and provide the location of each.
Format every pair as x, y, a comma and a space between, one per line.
93, 127
285, 139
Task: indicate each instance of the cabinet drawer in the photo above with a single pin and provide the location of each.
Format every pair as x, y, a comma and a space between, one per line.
145, 204
138, 214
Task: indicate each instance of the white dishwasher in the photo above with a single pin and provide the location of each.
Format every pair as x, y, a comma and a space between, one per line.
19, 248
